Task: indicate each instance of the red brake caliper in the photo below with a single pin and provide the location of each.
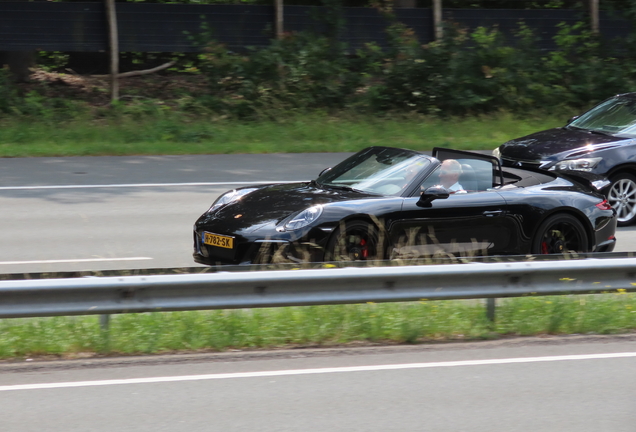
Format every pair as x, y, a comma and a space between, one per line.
365, 251
544, 248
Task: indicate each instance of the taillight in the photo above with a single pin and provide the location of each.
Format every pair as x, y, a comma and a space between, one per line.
604, 205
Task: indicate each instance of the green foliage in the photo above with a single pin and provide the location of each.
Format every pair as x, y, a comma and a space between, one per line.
52, 60
33, 104
7, 92
301, 71
466, 73
479, 72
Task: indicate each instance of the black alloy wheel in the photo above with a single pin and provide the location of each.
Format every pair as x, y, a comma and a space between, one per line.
622, 196
559, 234
354, 241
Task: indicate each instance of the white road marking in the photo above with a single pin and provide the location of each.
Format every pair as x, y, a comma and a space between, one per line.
145, 185
314, 371
82, 260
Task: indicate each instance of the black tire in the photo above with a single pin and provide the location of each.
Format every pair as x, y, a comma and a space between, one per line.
621, 195
355, 241
560, 233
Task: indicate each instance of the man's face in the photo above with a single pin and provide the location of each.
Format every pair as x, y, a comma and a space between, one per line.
447, 176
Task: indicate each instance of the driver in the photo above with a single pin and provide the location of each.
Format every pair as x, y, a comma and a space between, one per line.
449, 173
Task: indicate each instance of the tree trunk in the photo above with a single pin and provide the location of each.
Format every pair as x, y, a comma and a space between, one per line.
19, 63
113, 38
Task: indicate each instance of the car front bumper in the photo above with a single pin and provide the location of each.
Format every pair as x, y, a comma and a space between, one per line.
261, 248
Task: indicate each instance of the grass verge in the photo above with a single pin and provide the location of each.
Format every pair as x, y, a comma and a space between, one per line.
390, 323
174, 134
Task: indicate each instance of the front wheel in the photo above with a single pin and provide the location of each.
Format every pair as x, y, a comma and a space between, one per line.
561, 233
355, 241
622, 196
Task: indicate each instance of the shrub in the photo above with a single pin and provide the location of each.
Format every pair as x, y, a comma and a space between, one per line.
8, 94
481, 71
465, 73
301, 71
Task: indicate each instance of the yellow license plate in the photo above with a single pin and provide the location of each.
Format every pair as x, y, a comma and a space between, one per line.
218, 240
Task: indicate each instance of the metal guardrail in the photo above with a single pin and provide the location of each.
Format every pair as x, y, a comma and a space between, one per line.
132, 294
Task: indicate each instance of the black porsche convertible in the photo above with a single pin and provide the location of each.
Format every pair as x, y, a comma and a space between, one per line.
386, 203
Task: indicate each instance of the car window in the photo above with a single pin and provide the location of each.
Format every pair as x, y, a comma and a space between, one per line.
475, 176
383, 171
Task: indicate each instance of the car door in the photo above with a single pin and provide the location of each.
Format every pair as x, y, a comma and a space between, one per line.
470, 222
462, 225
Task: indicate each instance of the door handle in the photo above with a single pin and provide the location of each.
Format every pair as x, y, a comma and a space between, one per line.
493, 213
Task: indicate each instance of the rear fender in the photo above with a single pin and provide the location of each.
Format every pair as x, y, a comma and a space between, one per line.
595, 182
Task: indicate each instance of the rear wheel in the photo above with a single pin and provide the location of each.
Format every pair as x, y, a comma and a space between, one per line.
561, 233
622, 196
354, 241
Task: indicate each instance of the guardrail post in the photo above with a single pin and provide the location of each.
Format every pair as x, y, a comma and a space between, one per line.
104, 322
491, 303
104, 326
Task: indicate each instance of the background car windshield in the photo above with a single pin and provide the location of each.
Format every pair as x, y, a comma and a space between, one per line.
377, 170
616, 116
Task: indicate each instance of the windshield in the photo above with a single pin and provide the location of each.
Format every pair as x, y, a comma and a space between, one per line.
385, 171
616, 116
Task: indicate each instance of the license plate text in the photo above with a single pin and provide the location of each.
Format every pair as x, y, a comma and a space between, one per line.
217, 240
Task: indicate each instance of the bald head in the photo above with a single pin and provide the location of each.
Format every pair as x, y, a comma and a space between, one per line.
449, 172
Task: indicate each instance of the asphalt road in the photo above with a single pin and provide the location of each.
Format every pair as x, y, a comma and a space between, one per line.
106, 213
551, 384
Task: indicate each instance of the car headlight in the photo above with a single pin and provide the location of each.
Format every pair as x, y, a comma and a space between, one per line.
584, 164
228, 197
304, 218
497, 153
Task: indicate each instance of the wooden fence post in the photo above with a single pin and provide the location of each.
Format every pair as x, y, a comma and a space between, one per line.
437, 19
594, 18
113, 42
280, 23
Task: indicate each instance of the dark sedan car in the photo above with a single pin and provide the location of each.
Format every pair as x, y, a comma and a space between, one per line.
390, 203
600, 141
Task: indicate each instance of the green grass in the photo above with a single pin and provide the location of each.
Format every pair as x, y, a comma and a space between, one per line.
178, 134
413, 322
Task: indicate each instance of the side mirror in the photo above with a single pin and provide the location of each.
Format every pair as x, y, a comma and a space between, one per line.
572, 119
431, 194
324, 171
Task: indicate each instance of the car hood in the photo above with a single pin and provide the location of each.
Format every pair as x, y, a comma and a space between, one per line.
542, 145
269, 205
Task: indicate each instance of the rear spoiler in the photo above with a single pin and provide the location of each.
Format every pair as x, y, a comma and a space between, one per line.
593, 181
